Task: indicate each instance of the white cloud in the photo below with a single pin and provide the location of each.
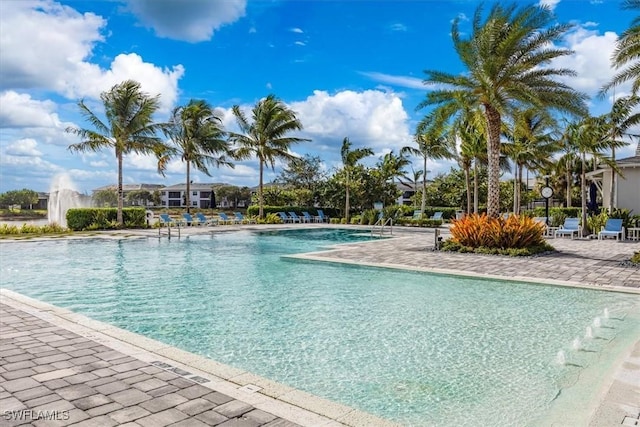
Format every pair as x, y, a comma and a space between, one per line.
590, 60
371, 118
398, 27
23, 147
299, 43
296, 30
19, 110
98, 164
187, 20
551, 4
33, 36
402, 81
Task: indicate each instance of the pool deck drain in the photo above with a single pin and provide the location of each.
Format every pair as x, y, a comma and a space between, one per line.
60, 368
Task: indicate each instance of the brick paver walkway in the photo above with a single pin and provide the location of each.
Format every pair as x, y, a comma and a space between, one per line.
47, 371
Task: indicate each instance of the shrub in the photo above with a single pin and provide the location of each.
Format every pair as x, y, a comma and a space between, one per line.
424, 222
483, 231
636, 258
453, 246
105, 218
596, 222
573, 212
253, 210
6, 229
271, 218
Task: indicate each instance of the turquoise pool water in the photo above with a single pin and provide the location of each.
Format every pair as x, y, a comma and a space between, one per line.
424, 350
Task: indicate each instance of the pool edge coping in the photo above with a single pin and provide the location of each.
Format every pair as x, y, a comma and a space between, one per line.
287, 402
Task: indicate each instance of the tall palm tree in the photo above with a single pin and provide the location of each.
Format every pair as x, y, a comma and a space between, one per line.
349, 160
265, 137
626, 57
432, 143
530, 145
506, 59
199, 140
129, 128
393, 166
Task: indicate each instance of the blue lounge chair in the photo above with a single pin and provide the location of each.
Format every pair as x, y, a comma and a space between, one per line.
283, 216
226, 220
417, 214
294, 216
165, 219
306, 217
570, 226
204, 221
243, 219
188, 219
613, 227
322, 217
437, 216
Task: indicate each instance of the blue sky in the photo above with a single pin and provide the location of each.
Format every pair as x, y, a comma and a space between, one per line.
348, 68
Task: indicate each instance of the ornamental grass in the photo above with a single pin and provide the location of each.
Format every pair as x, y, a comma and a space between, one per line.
516, 232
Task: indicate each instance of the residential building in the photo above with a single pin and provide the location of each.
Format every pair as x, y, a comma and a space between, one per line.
627, 186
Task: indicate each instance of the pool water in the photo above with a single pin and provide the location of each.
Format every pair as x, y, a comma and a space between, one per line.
420, 349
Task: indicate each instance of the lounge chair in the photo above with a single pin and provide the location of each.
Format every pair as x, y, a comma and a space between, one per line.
243, 219
204, 221
437, 216
417, 214
188, 219
306, 217
613, 227
226, 220
165, 219
295, 217
321, 216
285, 218
570, 226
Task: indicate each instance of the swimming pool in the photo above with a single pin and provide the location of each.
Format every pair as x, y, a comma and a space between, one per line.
416, 348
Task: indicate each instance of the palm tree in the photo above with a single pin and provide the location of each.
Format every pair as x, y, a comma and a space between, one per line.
266, 136
506, 59
392, 166
626, 57
432, 143
349, 160
129, 128
530, 145
199, 140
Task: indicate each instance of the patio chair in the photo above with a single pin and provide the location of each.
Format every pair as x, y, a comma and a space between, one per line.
306, 217
243, 219
613, 227
204, 220
417, 214
570, 226
322, 217
295, 217
165, 219
437, 216
226, 220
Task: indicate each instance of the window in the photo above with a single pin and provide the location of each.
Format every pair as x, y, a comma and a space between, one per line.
194, 193
194, 203
205, 194
174, 202
174, 195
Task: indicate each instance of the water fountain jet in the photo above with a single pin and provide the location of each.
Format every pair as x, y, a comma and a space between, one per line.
589, 333
62, 197
576, 344
561, 358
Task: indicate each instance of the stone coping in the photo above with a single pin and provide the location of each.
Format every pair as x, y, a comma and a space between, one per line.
278, 399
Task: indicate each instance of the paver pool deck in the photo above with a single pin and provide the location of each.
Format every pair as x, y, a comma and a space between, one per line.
95, 374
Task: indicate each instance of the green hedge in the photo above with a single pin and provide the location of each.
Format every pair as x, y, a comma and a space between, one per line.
105, 218
567, 212
418, 222
447, 212
253, 210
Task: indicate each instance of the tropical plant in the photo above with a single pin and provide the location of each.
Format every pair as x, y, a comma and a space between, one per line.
484, 231
265, 137
470, 129
530, 145
349, 160
432, 143
198, 138
129, 128
506, 59
626, 57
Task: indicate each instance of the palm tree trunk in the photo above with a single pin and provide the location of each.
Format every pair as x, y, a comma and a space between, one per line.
187, 197
493, 154
261, 192
612, 189
476, 190
583, 195
520, 189
423, 205
119, 217
467, 181
346, 199
568, 177
515, 189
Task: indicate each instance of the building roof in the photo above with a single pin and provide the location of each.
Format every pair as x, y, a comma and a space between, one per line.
130, 187
195, 186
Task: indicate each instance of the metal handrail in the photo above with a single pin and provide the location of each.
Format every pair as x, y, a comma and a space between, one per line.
383, 223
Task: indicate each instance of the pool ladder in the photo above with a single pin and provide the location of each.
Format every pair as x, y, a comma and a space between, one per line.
382, 223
